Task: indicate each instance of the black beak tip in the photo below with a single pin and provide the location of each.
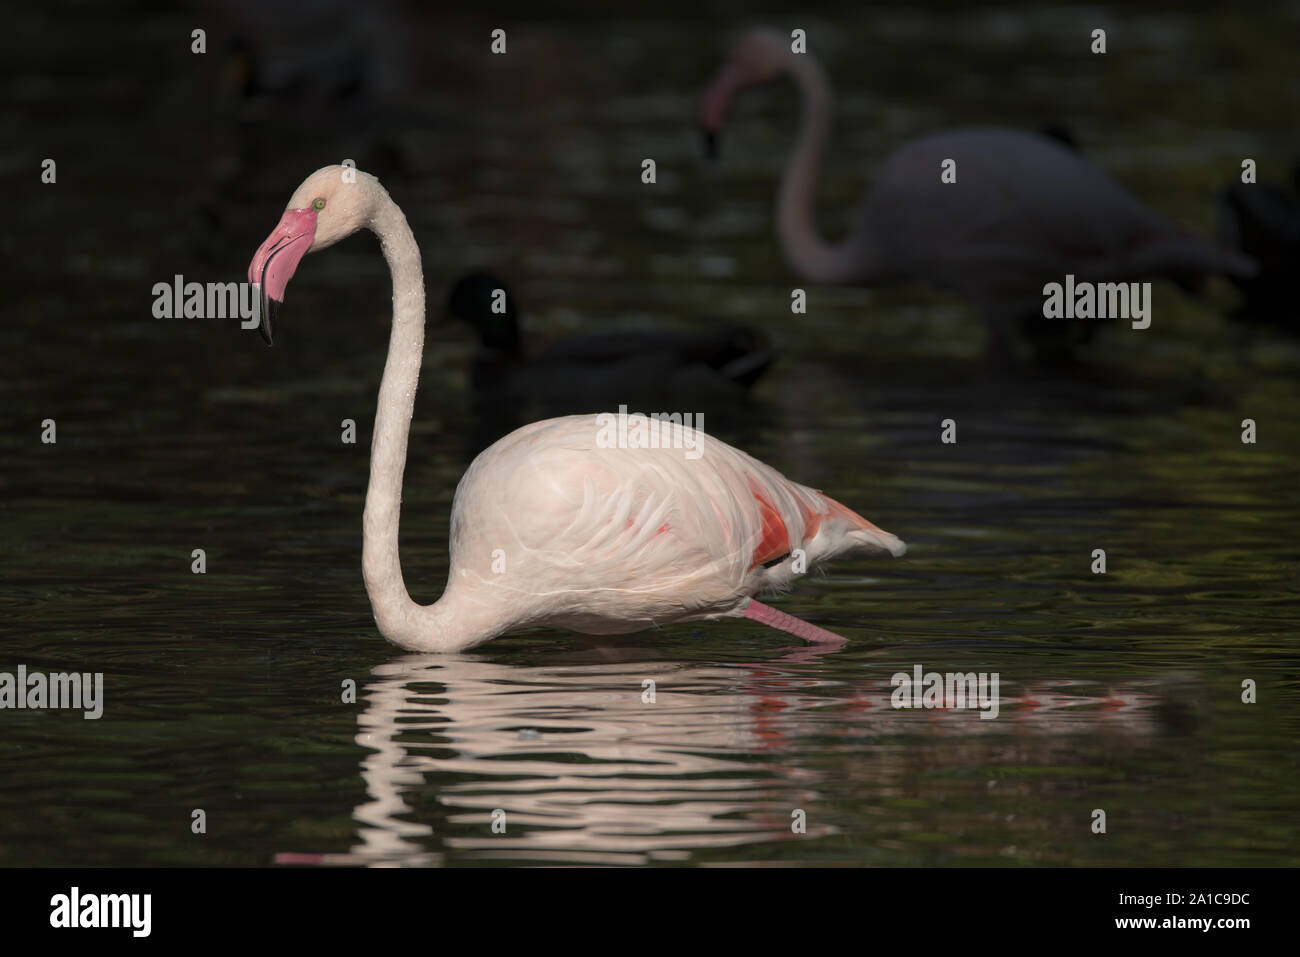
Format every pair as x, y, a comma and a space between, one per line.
710, 144
270, 309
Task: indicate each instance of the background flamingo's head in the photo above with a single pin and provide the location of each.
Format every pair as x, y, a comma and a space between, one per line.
760, 56
331, 204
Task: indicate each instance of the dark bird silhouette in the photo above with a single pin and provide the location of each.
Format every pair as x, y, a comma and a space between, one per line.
708, 370
1263, 221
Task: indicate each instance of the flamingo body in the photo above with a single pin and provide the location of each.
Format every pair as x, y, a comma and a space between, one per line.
1025, 210
615, 540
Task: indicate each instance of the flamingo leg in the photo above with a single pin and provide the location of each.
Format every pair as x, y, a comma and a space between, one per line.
757, 611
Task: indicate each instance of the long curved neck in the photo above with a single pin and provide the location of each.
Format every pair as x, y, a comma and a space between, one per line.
461, 618
805, 250
395, 613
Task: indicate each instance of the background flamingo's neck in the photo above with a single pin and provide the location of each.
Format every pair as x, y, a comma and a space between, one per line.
397, 616
805, 250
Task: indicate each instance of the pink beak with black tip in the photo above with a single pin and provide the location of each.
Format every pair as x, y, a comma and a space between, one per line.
715, 104
276, 260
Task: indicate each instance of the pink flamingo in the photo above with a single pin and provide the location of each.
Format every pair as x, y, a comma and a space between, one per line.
1024, 210
549, 526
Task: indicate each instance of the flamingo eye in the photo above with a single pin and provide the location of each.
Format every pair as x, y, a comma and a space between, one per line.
318, 204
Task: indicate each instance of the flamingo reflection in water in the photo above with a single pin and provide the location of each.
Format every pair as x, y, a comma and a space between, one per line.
579, 764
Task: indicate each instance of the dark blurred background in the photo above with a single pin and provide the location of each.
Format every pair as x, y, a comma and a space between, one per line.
176, 434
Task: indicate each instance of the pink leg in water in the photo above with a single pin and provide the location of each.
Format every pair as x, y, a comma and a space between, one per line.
757, 611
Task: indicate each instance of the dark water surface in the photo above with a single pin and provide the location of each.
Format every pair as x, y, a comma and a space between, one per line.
1120, 691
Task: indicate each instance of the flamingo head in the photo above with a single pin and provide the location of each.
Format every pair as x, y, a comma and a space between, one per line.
331, 204
759, 57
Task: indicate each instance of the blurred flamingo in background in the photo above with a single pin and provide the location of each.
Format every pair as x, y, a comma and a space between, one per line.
1024, 210
550, 526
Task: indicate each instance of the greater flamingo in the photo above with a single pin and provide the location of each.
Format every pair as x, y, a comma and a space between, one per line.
550, 526
1024, 210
